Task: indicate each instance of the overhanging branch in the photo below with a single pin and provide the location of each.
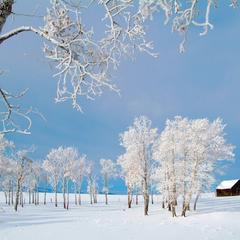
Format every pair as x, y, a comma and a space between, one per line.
21, 29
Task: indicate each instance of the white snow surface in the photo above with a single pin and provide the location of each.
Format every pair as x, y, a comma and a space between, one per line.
216, 218
227, 184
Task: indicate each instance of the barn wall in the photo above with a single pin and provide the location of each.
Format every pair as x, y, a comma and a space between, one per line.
234, 191
224, 192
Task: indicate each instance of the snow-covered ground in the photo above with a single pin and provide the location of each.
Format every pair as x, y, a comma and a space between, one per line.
216, 218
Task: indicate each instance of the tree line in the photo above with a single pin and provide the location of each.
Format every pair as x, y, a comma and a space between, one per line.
179, 162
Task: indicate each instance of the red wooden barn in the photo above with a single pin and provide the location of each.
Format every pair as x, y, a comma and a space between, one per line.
228, 188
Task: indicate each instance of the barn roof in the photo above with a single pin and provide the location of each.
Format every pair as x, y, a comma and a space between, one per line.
228, 184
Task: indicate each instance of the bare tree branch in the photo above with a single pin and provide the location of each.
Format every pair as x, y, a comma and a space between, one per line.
13, 114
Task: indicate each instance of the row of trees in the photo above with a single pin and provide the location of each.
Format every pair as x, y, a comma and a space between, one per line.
16, 172
180, 162
63, 167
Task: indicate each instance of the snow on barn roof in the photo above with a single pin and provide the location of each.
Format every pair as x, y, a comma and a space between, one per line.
227, 184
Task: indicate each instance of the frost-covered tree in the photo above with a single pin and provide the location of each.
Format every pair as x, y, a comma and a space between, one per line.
32, 181
183, 15
7, 169
7, 179
36, 170
92, 184
187, 151
89, 173
52, 166
170, 149
83, 59
23, 167
66, 155
129, 172
78, 168
58, 165
138, 141
45, 179
108, 170
4, 145
207, 147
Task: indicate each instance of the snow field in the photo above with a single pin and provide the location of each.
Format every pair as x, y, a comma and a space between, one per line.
216, 218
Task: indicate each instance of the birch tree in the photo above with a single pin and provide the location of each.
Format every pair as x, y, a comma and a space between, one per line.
171, 150
139, 139
58, 164
23, 166
187, 151
66, 155
45, 180
129, 172
7, 168
52, 166
208, 146
92, 184
78, 171
107, 170
4, 146
7, 177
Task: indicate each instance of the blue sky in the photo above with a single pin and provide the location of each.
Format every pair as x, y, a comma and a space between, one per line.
203, 82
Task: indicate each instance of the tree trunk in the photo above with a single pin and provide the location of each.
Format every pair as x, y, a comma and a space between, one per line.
63, 191
145, 194
75, 194
146, 204
195, 202
45, 193
45, 198
33, 197
22, 201
67, 205
75, 198
91, 194
137, 199
79, 198
29, 196
56, 202
169, 207
129, 197
106, 198
95, 197
184, 210
173, 199
67, 200
17, 195
174, 214
152, 198
9, 195
106, 187
12, 195
37, 196
186, 207
6, 198
193, 179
